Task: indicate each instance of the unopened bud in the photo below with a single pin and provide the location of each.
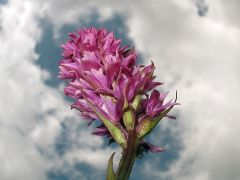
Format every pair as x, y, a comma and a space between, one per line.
129, 119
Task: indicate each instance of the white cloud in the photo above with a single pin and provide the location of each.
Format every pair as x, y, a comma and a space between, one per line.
19, 83
197, 56
31, 112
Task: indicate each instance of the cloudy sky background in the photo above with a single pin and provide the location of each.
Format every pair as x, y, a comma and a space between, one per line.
195, 47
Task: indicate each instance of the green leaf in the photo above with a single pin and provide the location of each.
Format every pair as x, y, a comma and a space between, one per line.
116, 133
148, 124
114, 130
110, 171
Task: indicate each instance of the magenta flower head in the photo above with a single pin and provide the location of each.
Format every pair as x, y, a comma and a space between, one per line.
108, 86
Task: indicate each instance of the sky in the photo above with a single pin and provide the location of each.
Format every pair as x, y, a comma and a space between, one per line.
195, 47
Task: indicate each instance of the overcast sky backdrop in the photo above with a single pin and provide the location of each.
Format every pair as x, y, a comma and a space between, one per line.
195, 47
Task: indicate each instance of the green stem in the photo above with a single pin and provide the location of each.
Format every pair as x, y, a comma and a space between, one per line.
128, 157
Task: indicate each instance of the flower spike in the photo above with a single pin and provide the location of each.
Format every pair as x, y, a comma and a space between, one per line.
108, 86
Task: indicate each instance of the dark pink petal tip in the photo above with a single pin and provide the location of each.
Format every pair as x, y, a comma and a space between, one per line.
152, 148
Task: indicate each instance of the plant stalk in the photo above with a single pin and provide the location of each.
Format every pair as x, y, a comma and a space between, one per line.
128, 157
